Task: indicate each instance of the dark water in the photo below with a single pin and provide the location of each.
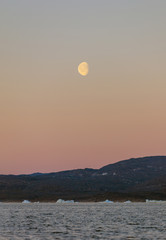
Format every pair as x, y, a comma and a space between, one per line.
83, 221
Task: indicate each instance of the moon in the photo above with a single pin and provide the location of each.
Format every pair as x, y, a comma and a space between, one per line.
83, 68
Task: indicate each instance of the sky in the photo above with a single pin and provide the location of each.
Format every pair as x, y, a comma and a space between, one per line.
51, 117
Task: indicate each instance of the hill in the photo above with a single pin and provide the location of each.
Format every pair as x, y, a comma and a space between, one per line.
135, 179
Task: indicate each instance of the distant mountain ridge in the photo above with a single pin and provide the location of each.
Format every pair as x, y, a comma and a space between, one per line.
136, 178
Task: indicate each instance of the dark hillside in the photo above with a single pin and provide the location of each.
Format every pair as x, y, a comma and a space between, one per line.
137, 178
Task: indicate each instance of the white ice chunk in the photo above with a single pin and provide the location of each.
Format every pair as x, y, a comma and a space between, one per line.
26, 201
108, 201
63, 201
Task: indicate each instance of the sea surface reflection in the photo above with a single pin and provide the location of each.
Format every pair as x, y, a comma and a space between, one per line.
82, 221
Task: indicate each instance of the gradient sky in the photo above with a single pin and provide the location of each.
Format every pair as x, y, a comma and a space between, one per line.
51, 118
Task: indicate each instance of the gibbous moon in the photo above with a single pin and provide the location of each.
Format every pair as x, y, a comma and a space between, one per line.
83, 68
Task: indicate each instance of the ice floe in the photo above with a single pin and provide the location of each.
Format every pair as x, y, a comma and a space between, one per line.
108, 201
128, 201
64, 201
26, 201
154, 201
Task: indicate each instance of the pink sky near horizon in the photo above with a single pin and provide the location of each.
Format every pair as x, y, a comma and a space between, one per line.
53, 119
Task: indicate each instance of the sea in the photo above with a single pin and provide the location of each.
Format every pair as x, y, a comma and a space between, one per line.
42, 221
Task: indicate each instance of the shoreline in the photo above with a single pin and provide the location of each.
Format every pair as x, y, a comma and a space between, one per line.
84, 202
